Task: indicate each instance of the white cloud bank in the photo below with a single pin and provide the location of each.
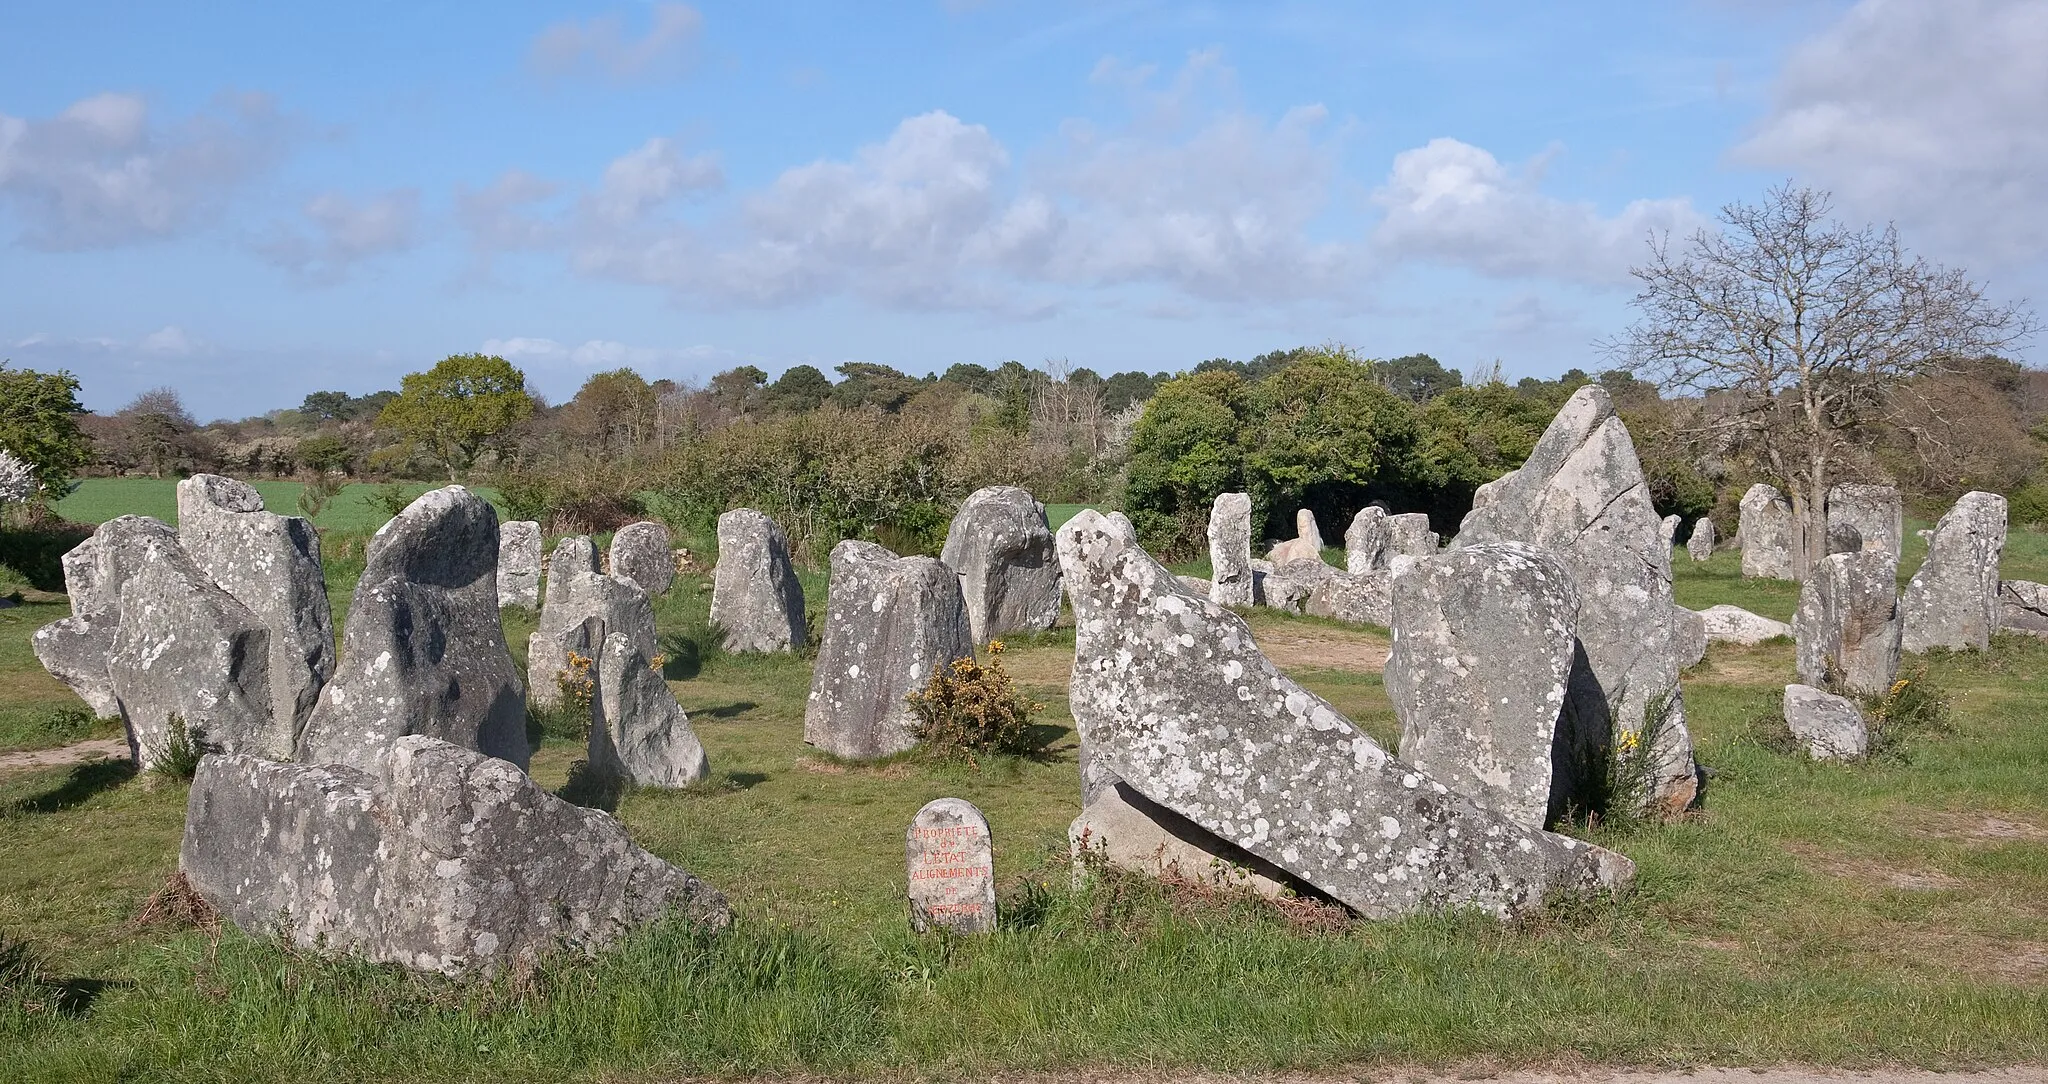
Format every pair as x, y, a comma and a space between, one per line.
602, 46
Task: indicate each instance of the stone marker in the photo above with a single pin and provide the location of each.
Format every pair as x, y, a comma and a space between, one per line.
642, 552
1174, 696
423, 650
1230, 550
1735, 625
1700, 546
1875, 514
429, 856
1002, 550
1368, 542
519, 563
270, 564
1306, 545
1671, 524
755, 596
1847, 625
1831, 726
1582, 495
638, 732
1409, 535
583, 606
1768, 534
1363, 598
2023, 607
952, 868
1129, 831
1952, 601
1482, 652
890, 624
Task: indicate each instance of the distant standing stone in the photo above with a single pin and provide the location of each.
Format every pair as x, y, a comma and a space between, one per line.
1767, 534
1306, 545
1671, 524
1875, 514
638, 732
642, 552
1410, 536
755, 596
1847, 625
583, 606
1368, 542
1689, 636
1001, 548
1361, 598
1831, 726
1700, 546
890, 624
1952, 601
519, 563
951, 861
1230, 550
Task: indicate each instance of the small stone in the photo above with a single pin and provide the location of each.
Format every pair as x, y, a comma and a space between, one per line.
638, 732
1689, 636
1735, 625
583, 606
1363, 598
519, 564
1831, 726
1409, 535
755, 596
1001, 548
1847, 625
1368, 542
890, 624
952, 871
1700, 546
1125, 830
1768, 533
1306, 545
642, 552
2023, 607
1230, 550
1952, 601
1873, 516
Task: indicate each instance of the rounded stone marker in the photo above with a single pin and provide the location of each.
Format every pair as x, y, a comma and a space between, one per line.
952, 868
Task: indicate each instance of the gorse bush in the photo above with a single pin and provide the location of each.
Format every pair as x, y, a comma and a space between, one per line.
1912, 708
973, 708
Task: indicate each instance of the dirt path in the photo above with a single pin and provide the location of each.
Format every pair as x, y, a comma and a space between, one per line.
93, 749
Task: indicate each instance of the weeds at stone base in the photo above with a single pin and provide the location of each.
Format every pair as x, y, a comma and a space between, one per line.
1912, 710
177, 756
972, 709
178, 906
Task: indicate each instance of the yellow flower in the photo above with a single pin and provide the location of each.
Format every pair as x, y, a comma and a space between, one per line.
995, 647
1899, 686
1629, 741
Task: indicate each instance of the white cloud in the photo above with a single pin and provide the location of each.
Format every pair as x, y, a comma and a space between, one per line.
345, 233
600, 354
601, 46
646, 178
170, 339
1454, 203
1927, 111
101, 173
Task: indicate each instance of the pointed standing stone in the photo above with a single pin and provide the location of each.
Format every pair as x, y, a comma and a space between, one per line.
638, 732
1671, 524
1952, 601
583, 606
1368, 542
951, 864
890, 624
519, 564
1872, 517
1700, 547
1001, 548
1766, 530
1847, 625
1230, 550
643, 553
755, 595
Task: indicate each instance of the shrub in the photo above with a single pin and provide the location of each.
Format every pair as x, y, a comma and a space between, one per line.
1912, 708
974, 708
177, 756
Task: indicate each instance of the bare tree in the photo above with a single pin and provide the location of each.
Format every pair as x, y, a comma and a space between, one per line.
1801, 331
1066, 408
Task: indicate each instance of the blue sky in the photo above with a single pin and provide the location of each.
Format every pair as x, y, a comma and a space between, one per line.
251, 202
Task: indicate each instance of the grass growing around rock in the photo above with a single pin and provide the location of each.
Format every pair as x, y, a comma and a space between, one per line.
1893, 911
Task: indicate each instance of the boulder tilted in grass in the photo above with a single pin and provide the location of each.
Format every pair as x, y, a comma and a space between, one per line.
1767, 533
643, 553
890, 624
271, 564
1306, 545
1001, 548
519, 563
1735, 625
1231, 579
1870, 518
639, 734
1368, 542
1953, 600
755, 596
950, 862
1847, 624
1700, 546
429, 856
583, 606
1831, 726
423, 651
1408, 535
2023, 607
1171, 692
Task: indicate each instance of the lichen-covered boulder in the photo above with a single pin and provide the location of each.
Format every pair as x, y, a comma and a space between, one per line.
1126, 830
75, 649
1689, 636
1847, 624
1361, 598
583, 606
1872, 517
1953, 601
270, 564
1768, 533
2023, 607
1231, 581
638, 732
1368, 542
890, 624
1409, 535
1001, 548
1700, 546
1831, 726
422, 651
1735, 625
1171, 692
429, 856
519, 564
755, 596
643, 553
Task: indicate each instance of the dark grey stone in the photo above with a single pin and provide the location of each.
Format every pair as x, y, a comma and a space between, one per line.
890, 624
643, 553
950, 859
1002, 550
755, 596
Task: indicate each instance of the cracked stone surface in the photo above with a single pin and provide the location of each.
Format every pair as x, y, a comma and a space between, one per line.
755, 596
2023, 606
1952, 601
1767, 533
519, 563
1831, 726
638, 732
1368, 542
643, 553
890, 624
1847, 624
582, 607
75, 649
1231, 581
1872, 517
1001, 548
1361, 598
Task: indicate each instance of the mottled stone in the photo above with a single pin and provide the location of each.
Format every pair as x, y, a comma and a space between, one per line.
1735, 625
1230, 550
1174, 695
638, 732
1124, 829
1289, 587
1769, 536
519, 564
1306, 545
1952, 601
1831, 726
2023, 607
642, 553
428, 856
1195, 585
1001, 548
951, 866
1689, 636
1671, 524
890, 624
1361, 598
583, 606
1408, 535
74, 649
756, 599
1847, 625
422, 651
1875, 515
1700, 546
1368, 542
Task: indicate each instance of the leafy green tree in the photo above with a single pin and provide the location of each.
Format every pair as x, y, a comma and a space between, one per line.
872, 384
460, 408
38, 423
799, 390
324, 453
1184, 451
975, 378
1417, 378
1123, 389
1324, 432
737, 391
612, 413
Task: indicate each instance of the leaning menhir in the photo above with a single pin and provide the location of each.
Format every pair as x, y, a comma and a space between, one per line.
1768, 537
427, 855
1002, 550
890, 624
1953, 601
519, 563
75, 649
755, 596
1700, 547
1847, 624
638, 732
583, 607
641, 552
1171, 692
423, 651
1306, 545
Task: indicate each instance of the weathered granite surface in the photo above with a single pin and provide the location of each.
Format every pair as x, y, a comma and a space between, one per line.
643, 553
519, 563
890, 623
1126, 830
1874, 516
949, 862
2023, 607
638, 732
755, 595
1700, 547
1409, 535
1001, 548
1368, 542
1847, 624
1230, 550
1735, 625
1831, 726
582, 607
1306, 545
1361, 598
1769, 535
1952, 601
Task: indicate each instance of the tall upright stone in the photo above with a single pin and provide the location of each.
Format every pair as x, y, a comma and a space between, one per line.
1873, 516
1368, 542
1769, 537
890, 624
1483, 643
75, 649
755, 595
1847, 624
519, 564
582, 607
1953, 601
1700, 547
642, 552
950, 861
1001, 548
638, 732
270, 564
1671, 524
1583, 496
423, 651
1409, 535
1231, 580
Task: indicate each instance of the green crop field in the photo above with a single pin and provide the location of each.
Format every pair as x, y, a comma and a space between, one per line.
354, 508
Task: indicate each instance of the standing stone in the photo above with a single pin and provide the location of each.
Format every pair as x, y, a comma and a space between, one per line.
423, 651
75, 649
1831, 726
1952, 601
1173, 694
1700, 546
1735, 625
1483, 642
755, 596
890, 624
186, 649
1873, 516
429, 856
1368, 542
270, 564
1306, 545
1671, 524
1001, 548
1230, 550
583, 606
2023, 606
1582, 495
1410, 536
638, 732
952, 867
1768, 535
1847, 625
1689, 636
642, 552
519, 564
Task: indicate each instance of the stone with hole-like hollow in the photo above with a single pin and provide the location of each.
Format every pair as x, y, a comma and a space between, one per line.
1769, 534
643, 553
1831, 726
1232, 581
1847, 624
582, 607
755, 596
1868, 517
950, 860
1952, 601
890, 624
1001, 548
519, 564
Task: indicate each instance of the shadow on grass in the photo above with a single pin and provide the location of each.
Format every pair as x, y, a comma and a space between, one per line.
743, 780
79, 786
592, 789
726, 711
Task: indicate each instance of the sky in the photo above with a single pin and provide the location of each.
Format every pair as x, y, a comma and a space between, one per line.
248, 203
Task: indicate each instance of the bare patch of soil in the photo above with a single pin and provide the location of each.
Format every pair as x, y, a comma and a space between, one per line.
1873, 873
79, 753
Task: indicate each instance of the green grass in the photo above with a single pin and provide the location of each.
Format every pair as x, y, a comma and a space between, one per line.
355, 508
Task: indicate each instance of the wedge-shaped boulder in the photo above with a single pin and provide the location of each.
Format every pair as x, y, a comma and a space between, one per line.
2023, 607
643, 553
1700, 547
638, 732
1124, 829
422, 651
1847, 625
755, 595
1735, 625
1768, 534
519, 563
1831, 726
429, 856
1306, 545
583, 607
1368, 542
1173, 694
75, 649
1952, 601
1001, 548
1866, 517
890, 624
1232, 580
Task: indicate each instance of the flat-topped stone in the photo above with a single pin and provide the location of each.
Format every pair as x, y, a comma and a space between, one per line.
1735, 625
1769, 535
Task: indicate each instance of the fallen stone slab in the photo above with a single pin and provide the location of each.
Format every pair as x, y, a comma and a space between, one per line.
1769, 535
643, 553
519, 563
1360, 598
1847, 624
890, 624
1125, 830
583, 606
639, 734
1231, 580
1953, 600
1735, 625
1001, 548
1831, 726
2023, 607
756, 598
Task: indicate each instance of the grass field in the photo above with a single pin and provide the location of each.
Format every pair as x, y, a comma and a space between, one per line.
1889, 912
355, 508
